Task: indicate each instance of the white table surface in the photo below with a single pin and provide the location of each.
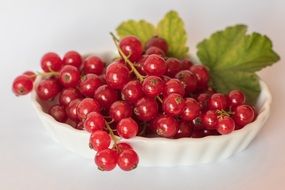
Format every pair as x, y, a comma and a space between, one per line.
30, 160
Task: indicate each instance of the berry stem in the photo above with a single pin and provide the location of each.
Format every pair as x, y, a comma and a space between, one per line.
159, 99
49, 74
114, 138
133, 68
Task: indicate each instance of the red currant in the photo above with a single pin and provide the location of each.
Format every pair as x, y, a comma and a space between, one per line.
51, 62
71, 110
32, 76
58, 113
69, 76
157, 42
88, 84
127, 128
132, 91
243, 115
47, 89
106, 160
99, 140
153, 86
236, 98
184, 129
173, 104
131, 47
94, 121
202, 75
106, 96
72, 58
191, 110
117, 75
146, 109
166, 127
154, 65
174, 86
186, 64
188, 79
210, 120
225, 125
218, 101
22, 85
154, 50
120, 110
86, 106
128, 160
94, 65
120, 147
67, 95
173, 66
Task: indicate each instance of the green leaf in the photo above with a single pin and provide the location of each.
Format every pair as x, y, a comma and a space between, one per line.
233, 56
141, 29
171, 28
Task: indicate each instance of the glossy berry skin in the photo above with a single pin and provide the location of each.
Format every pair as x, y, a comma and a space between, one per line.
154, 50
94, 65
72, 58
88, 84
121, 146
69, 76
94, 122
117, 75
67, 95
106, 159
120, 110
132, 91
173, 104
225, 125
159, 42
191, 109
203, 100
51, 62
154, 65
218, 101
128, 160
173, 66
71, 110
166, 127
131, 46
184, 129
47, 89
210, 120
79, 126
31, 75
22, 85
86, 106
127, 128
243, 115
106, 96
152, 86
173, 86
202, 75
146, 109
188, 79
236, 98
185, 64
58, 113
99, 140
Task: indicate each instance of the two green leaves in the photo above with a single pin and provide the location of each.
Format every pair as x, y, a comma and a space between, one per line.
232, 56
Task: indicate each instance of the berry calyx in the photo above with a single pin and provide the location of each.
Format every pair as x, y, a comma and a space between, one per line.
69, 76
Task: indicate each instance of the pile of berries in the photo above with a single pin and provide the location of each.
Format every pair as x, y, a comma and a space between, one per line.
141, 93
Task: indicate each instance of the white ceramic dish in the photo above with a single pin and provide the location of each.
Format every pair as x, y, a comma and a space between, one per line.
162, 151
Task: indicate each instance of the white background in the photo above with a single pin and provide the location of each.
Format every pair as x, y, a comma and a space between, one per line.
29, 159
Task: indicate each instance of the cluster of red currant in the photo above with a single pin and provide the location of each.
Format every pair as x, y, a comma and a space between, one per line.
142, 93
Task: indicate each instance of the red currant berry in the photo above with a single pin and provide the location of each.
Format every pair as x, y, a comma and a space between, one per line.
127, 128
106, 160
173, 104
88, 84
67, 95
202, 75
159, 42
72, 58
120, 110
32, 76
184, 129
117, 75
153, 86
154, 65
174, 86
47, 89
243, 115
210, 120
94, 121
146, 109
218, 101
225, 125
131, 46
99, 140
94, 65
22, 85
69, 76
120, 147
71, 110
236, 98
166, 127
173, 66
128, 160
203, 100
58, 113
132, 91
106, 96
186, 64
86, 106
191, 110
51, 62
198, 133
154, 50
188, 79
